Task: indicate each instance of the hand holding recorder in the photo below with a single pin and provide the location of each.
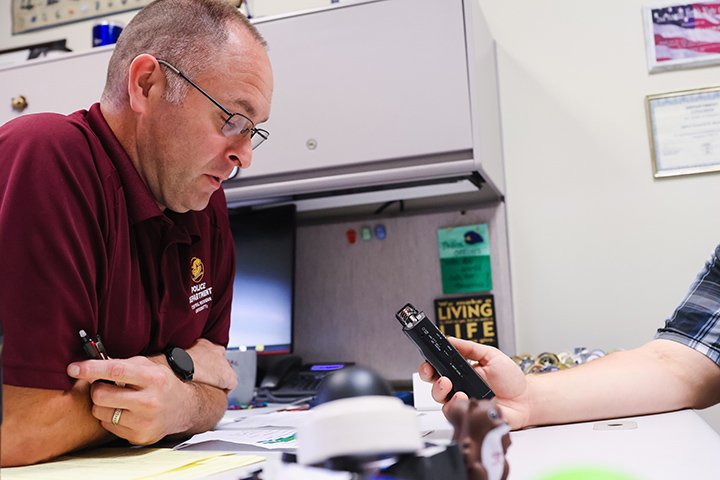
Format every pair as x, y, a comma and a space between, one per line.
498, 372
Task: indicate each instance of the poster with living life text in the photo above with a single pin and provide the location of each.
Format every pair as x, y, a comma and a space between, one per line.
470, 317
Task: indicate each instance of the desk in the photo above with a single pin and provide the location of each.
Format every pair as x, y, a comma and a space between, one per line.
669, 446
677, 445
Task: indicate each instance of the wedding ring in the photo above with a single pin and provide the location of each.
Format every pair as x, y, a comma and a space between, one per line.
116, 416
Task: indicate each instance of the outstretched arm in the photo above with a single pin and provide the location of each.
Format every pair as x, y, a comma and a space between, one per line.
660, 376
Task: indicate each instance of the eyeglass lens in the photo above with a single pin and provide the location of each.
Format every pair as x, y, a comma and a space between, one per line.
239, 125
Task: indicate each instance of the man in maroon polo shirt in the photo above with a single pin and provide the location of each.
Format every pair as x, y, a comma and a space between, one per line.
113, 221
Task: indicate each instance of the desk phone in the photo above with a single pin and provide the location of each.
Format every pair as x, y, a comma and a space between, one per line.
289, 380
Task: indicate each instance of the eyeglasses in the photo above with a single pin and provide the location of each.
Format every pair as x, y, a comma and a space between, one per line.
236, 123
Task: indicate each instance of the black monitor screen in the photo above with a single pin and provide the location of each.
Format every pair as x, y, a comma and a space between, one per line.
262, 306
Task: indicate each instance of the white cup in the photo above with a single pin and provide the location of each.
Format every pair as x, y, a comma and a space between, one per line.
244, 364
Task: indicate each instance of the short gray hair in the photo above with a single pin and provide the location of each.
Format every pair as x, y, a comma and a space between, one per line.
182, 32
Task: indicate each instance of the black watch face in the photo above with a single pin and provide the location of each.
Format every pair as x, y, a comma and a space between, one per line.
182, 363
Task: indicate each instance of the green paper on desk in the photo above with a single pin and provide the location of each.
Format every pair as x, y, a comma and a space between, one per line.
133, 464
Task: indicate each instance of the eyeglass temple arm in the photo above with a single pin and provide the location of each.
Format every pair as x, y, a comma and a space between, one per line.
163, 62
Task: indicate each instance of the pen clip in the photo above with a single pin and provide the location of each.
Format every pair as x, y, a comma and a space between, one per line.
102, 353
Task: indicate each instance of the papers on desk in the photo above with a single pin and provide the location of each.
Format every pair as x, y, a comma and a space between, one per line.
272, 431
266, 438
274, 419
275, 430
133, 464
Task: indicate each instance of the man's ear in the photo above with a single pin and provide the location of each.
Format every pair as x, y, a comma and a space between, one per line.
144, 78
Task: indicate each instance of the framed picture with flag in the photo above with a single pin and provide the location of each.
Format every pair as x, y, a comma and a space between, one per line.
682, 35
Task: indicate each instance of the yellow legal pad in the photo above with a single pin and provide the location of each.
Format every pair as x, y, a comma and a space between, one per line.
133, 464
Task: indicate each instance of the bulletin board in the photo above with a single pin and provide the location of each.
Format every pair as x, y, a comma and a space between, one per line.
346, 295
30, 15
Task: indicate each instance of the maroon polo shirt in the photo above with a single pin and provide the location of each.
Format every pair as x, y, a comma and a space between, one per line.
85, 246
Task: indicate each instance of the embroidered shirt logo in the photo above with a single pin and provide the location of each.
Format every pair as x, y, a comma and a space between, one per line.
200, 294
197, 269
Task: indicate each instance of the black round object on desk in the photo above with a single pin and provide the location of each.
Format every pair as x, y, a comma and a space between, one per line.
352, 382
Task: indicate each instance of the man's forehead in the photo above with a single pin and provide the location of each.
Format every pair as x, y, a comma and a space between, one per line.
243, 106
248, 74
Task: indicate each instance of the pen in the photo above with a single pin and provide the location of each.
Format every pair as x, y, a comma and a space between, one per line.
95, 350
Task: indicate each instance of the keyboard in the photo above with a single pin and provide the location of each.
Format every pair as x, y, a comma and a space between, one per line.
304, 384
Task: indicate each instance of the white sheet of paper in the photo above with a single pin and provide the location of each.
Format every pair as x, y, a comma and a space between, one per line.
273, 419
269, 438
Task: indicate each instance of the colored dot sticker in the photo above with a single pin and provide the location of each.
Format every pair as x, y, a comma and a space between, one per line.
366, 233
380, 232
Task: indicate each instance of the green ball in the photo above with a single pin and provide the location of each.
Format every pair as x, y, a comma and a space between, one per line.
587, 473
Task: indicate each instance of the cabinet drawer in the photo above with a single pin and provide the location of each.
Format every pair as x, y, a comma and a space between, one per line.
63, 84
366, 82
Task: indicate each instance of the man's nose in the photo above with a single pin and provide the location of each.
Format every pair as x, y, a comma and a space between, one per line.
240, 152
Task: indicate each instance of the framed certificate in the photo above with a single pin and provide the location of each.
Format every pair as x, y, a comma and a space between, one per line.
684, 130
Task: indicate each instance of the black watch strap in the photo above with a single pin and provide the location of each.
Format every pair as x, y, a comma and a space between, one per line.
181, 363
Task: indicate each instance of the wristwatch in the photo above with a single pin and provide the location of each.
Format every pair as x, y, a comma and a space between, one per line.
181, 363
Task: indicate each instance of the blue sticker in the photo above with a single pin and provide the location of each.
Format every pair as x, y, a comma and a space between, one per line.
380, 232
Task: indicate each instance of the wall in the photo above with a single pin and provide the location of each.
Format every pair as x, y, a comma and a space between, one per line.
601, 253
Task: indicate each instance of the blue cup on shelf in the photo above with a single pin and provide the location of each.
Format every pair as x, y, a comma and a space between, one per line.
106, 33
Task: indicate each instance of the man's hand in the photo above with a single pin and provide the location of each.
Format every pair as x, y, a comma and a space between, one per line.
211, 365
154, 402
499, 372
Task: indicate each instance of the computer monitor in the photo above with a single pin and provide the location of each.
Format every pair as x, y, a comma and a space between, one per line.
262, 306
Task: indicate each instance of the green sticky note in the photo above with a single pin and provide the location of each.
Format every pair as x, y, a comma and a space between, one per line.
465, 258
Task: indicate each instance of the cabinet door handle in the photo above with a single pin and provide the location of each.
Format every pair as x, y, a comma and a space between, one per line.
19, 103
